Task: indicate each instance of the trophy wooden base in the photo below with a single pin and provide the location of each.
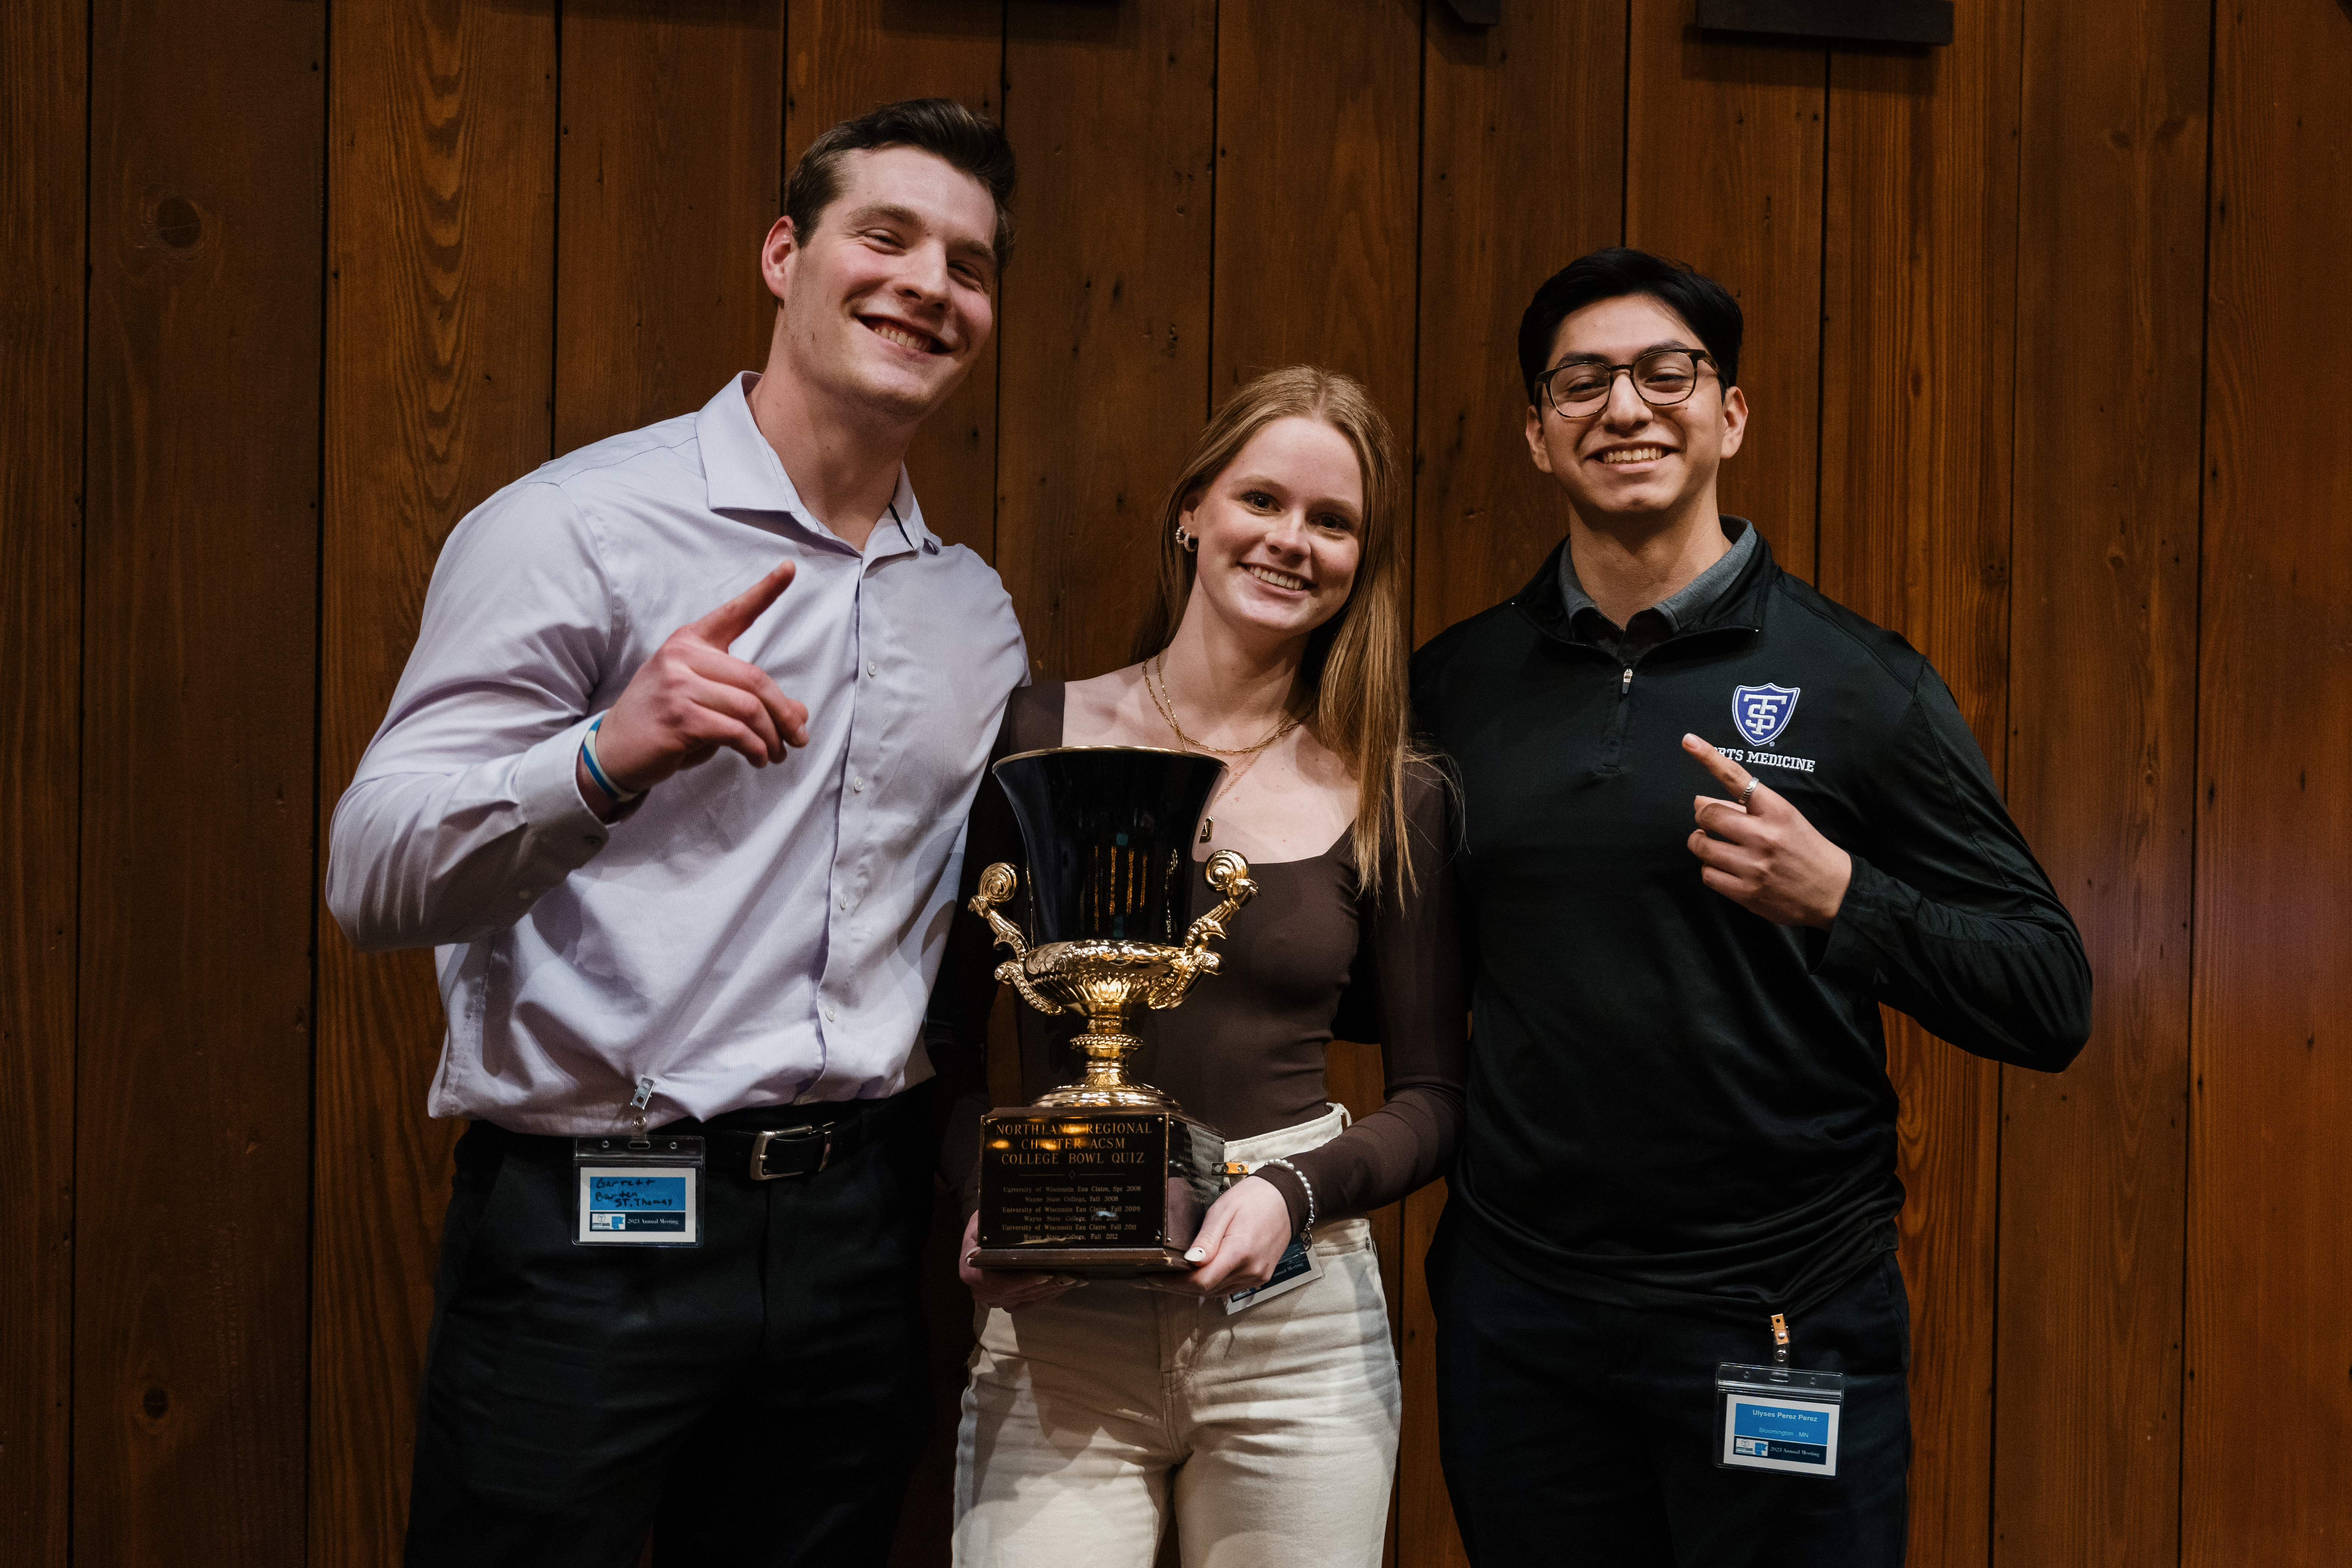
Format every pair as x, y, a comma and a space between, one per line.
1095, 1262
1099, 1193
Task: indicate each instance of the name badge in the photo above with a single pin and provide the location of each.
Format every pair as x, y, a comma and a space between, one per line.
644, 1196
1298, 1267
1777, 1418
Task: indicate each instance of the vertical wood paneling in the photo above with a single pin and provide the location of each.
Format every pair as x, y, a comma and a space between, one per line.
44, 76
441, 247
1723, 150
669, 176
1318, 192
847, 56
1522, 171
1919, 297
2267, 1475
2101, 770
1105, 352
192, 1147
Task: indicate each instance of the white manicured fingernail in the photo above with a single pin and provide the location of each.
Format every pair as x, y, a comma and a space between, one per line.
1195, 1255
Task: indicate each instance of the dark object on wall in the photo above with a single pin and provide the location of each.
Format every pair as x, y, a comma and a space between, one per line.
1855, 21
1481, 13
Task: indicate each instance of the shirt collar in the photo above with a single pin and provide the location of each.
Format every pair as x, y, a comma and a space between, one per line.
744, 474
1694, 599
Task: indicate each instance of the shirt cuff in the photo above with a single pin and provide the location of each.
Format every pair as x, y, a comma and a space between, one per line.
560, 833
1847, 953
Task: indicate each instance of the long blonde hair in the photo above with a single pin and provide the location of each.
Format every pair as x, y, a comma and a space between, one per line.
1357, 662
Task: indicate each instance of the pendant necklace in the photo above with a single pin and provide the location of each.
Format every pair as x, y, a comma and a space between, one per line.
1156, 682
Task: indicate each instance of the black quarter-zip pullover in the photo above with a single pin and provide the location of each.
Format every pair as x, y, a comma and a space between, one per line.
1673, 1101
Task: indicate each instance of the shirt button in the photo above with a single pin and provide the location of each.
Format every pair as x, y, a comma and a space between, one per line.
858, 784
872, 668
830, 1012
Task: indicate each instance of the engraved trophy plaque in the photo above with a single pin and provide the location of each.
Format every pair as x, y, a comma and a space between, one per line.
1104, 1176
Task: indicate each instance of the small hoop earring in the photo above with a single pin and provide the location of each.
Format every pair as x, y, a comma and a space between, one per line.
1191, 541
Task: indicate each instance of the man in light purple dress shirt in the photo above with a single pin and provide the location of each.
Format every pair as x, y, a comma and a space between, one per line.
674, 782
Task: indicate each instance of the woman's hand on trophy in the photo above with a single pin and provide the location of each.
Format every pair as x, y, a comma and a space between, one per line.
1009, 1288
1243, 1238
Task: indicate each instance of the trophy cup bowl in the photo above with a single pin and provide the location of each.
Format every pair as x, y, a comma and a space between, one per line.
1104, 1176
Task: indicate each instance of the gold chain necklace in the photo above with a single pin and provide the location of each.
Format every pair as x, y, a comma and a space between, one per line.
1157, 684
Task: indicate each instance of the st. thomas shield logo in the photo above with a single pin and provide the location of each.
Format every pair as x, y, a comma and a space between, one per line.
1763, 711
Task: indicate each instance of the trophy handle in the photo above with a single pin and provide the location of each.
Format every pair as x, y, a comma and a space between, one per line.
1229, 874
997, 885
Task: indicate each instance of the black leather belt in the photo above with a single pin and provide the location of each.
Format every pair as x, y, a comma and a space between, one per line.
802, 1148
796, 1140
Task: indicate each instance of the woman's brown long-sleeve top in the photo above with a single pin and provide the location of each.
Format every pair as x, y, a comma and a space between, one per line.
1308, 960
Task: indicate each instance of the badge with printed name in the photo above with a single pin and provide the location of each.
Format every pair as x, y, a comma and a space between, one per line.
1777, 1418
642, 1192
1299, 1266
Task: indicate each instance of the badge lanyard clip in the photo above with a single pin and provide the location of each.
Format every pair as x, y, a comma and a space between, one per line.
1777, 1417
644, 1097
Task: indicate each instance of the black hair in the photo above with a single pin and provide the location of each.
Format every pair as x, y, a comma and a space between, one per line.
940, 126
1705, 305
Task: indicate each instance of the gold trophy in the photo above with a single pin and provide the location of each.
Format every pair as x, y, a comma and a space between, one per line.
1104, 1176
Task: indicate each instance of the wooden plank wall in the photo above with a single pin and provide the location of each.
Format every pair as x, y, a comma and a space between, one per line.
1917, 338
2112, 139
2040, 355
439, 339
199, 700
2268, 1406
43, 153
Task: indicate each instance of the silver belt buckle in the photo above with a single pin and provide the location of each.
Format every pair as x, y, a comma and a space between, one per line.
759, 1169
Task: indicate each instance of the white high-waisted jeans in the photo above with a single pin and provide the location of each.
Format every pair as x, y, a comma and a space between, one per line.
1272, 1431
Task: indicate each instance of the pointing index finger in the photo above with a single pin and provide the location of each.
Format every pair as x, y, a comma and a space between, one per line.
1728, 773
734, 618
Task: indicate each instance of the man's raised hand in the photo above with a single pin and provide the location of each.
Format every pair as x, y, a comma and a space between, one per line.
1764, 856
692, 697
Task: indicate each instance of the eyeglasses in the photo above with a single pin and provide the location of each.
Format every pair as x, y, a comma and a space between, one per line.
1662, 377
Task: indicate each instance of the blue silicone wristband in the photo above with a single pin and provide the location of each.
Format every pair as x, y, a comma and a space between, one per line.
588, 756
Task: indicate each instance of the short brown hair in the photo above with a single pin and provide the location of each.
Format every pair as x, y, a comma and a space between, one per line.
1357, 663
940, 126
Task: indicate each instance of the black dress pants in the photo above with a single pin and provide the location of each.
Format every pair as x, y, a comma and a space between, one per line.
1575, 1433
758, 1400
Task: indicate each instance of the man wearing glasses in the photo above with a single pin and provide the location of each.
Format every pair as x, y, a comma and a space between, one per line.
1711, 821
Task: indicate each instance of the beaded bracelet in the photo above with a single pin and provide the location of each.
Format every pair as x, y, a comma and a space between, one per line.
1306, 1230
603, 782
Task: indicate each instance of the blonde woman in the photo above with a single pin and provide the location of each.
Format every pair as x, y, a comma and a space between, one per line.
1098, 1416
